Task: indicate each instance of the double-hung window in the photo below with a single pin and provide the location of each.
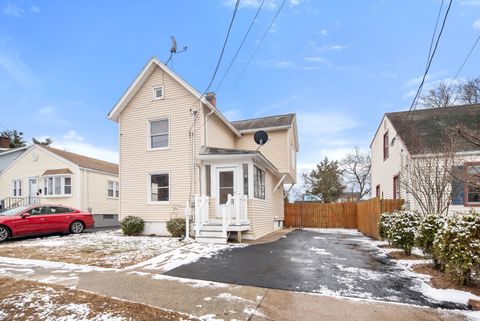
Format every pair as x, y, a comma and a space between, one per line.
258, 183
16, 187
58, 185
159, 134
159, 187
385, 146
113, 189
396, 187
472, 191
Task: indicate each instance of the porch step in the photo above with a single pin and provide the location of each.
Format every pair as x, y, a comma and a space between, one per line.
211, 232
212, 227
211, 239
207, 233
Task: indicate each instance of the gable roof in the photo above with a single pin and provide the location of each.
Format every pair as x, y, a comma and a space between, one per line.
147, 70
426, 129
283, 121
84, 161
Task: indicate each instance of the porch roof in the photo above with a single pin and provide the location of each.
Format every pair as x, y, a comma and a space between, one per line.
224, 152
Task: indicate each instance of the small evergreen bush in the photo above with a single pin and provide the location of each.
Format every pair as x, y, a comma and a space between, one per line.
132, 225
176, 227
426, 232
403, 228
385, 225
457, 246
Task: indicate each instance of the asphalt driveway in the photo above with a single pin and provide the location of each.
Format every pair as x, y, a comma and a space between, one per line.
336, 262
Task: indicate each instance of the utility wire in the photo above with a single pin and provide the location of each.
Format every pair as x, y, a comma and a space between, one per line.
259, 44
464, 61
223, 48
240, 47
420, 87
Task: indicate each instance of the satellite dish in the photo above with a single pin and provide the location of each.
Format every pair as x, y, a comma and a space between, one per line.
174, 45
260, 137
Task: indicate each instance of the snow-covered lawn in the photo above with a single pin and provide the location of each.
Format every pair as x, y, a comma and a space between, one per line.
26, 300
102, 249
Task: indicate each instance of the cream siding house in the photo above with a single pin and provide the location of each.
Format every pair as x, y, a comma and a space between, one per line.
403, 136
179, 154
45, 175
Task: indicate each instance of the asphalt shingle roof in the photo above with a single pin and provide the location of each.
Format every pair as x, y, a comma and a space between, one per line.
427, 129
264, 122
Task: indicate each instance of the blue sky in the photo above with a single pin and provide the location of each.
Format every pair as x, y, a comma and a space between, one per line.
338, 64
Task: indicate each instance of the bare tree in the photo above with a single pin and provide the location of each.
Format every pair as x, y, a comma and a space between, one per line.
443, 95
356, 172
470, 91
428, 176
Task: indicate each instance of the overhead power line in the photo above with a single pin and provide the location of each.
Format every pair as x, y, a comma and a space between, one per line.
240, 47
259, 43
224, 45
464, 61
429, 64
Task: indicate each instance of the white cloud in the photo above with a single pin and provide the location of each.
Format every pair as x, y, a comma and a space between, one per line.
233, 114
75, 143
335, 47
294, 3
322, 124
470, 3
35, 9
11, 62
322, 32
13, 10
476, 24
50, 115
315, 59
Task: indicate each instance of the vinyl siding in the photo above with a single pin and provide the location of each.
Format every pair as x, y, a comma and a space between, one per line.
136, 161
218, 134
27, 167
95, 195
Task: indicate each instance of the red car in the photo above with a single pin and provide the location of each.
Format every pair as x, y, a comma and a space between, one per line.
43, 219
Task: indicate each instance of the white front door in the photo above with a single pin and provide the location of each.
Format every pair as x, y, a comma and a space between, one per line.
226, 184
32, 190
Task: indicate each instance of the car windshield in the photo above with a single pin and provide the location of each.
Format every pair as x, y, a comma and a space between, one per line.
14, 211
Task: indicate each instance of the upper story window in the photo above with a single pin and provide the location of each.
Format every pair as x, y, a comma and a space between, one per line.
113, 189
385, 146
473, 192
258, 183
16, 187
159, 133
158, 93
396, 187
59, 185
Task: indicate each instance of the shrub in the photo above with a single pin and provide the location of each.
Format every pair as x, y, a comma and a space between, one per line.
385, 225
176, 227
402, 231
457, 246
132, 225
426, 232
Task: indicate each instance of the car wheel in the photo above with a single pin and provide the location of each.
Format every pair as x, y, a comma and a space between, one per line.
76, 227
4, 233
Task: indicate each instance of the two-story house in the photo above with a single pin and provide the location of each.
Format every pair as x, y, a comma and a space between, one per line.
178, 152
404, 139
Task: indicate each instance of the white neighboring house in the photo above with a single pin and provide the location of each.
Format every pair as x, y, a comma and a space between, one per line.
397, 140
46, 175
178, 152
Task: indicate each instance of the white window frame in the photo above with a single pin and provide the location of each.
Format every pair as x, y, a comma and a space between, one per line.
149, 135
155, 93
17, 189
149, 188
115, 189
264, 183
62, 186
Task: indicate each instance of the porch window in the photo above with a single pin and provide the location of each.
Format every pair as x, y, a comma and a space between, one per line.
159, 133
113, 189
245, 179
58, 185
385, 146
377, 191
258, 183
208, 179
159, 187
16, 187
226, 186
396, 187
473, 192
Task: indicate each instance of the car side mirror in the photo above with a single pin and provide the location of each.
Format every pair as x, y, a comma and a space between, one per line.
24, 215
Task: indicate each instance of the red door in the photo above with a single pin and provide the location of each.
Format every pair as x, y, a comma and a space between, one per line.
33, 224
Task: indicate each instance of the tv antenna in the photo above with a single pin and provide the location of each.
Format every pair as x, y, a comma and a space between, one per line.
261, 138
173, 49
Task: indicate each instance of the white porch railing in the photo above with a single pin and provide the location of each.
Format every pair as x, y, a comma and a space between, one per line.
201, 212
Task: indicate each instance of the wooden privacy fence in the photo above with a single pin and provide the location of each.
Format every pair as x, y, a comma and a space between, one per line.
362, 215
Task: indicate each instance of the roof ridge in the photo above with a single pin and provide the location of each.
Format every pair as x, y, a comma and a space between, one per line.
432, 109
53, 149
247, 119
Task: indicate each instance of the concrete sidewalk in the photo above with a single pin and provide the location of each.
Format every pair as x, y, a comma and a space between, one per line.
228, 302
